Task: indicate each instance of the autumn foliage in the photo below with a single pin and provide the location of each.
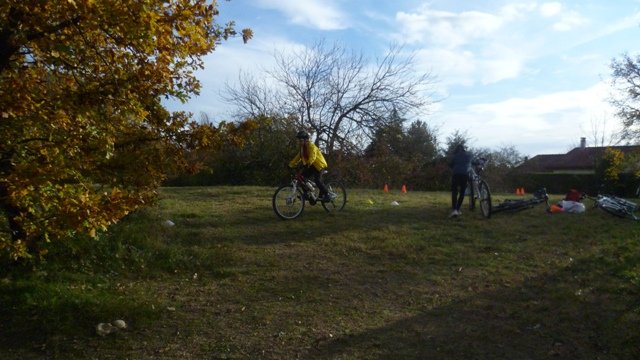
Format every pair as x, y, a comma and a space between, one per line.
84, 136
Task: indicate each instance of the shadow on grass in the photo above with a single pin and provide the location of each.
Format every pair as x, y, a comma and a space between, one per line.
262, 227
552, 316
38, 320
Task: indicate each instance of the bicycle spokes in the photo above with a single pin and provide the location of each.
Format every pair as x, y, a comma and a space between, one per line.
337, 195
288, 202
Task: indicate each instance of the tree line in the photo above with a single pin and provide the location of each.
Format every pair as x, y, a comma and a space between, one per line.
400, 153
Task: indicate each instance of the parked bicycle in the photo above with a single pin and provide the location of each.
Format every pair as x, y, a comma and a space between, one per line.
289, 200
616, 206
538, 197
478, 188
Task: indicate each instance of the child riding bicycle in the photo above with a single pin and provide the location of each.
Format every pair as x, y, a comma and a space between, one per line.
313, 161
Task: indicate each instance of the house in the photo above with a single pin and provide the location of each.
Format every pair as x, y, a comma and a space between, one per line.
575, 169
581, 160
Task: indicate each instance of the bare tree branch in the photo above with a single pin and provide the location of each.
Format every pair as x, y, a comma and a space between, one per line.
626, 81
338, 94
251, 97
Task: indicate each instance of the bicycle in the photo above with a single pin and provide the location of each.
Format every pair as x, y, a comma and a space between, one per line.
538, 197
616, 206
289, 200
478, 188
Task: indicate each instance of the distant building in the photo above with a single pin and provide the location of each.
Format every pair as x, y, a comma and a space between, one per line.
575, 169
581, 160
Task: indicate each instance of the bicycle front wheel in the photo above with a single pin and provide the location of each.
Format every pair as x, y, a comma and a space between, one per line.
338, 195
288, 203
485, 199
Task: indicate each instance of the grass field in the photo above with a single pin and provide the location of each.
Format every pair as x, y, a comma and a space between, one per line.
232, 281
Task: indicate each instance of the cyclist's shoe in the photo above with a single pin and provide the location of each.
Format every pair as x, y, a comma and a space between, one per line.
454, 213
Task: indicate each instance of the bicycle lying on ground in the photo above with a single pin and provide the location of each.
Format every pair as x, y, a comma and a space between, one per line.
289, 200
616, 206
478, 188
538, 197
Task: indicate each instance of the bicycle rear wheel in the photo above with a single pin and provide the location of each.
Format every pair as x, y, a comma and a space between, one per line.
288, 203
338, 195
485, 199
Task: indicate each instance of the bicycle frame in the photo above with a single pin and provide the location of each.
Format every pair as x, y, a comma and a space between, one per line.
474, 176
478, 188
310, 192
538, 197
617, 206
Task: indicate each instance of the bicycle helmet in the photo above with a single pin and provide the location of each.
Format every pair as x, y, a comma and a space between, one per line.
302, 135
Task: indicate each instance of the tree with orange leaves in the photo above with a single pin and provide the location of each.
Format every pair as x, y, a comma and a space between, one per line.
84, 136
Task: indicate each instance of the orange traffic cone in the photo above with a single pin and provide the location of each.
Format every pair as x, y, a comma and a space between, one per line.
522, 191
404, 189
517, 191
386, 188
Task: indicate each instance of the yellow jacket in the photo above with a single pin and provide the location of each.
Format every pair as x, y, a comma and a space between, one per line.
315, 157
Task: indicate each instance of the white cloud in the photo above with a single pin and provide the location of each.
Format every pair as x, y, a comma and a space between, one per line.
446, 29
537, 108
451, 67
466, 68
504, 68
470, 47
628, 22
516, 11
473, 47
224, 65
557, 120
319, 14
566, 19
570, 21
550, 9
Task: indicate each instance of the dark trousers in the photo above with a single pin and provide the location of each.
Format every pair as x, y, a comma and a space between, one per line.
313, 173
458, 188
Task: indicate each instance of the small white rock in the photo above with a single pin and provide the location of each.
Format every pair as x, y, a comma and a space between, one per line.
120, 324
168, 223
104, 329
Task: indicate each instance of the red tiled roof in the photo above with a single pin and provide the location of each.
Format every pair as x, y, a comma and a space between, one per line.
539, 163
580, 158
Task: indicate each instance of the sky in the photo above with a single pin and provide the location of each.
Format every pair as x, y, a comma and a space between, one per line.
534, 75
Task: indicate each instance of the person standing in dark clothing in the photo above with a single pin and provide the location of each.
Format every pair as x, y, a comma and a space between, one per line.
460, 166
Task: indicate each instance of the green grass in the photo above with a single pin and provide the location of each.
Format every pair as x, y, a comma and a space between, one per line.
231, 280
